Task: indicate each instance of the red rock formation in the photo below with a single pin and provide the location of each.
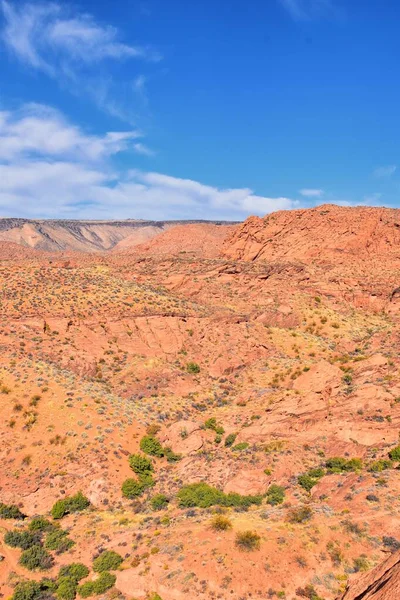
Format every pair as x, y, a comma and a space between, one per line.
382, 583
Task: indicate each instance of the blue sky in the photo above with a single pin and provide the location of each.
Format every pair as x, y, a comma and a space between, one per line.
215, 109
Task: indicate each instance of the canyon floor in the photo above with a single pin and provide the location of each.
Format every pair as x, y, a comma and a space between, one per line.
260, 359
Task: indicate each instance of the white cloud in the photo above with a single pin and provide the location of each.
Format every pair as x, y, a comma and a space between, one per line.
37, 130
73, 49
50, 168
303, 10
387, 171
312, 193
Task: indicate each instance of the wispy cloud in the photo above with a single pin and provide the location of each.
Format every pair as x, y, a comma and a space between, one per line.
52, 168
304, 10
386, 171
311, 193
70, 47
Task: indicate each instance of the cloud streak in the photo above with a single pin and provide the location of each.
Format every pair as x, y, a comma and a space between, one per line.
73, 49
51, 168
305, 10
387, 171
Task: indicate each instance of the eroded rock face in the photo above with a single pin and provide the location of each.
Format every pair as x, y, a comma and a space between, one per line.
320, 233
382, 583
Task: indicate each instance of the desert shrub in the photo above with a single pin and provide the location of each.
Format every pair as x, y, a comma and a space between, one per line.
75, 571
58, 541
221, 523
394, 454
66, 588
151, 445
247, 540
214, 426
40, 524
159, 501
36, 558
241, 446
21, 539
230, 439
193, 368
308, 592
275, 494
69, 505
339, 464
132, 488
300, 514
10, 512
140, 464
204, 496
380, 465
361, 563
311, 478
101, 585
27, 590
107, 561
171, 456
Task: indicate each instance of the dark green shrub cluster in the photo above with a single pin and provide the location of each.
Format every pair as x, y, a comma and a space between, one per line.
107, 561
394, 454
193, 368
101, 585
239, 447
311, 478
150, 445
247, 541
230, 439
40, 524
143, 467
204, 496
36, 558
58, 540
10, 512
339, 464
68, 505
275, 494
159, 501
64, 587
27, 590
23, 539
380, 465
214, 426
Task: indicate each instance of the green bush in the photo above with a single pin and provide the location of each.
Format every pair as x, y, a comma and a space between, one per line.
275, 494
75, 571
10, 512
239, 447
69, 505
394, 454
247, 541
107, 561
204, 496
193, 368
36, 558
101, 585
132, 488
27, 590
380, 465
40, 524
159, 501
58, 541
308, 480
66, 588
214, 426
151, 445
140, 464
21, 539
230, 439
171, 456
339, 464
